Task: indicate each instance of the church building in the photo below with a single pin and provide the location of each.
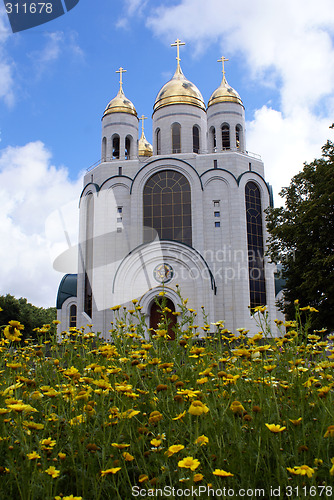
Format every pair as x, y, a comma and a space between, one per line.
185, 215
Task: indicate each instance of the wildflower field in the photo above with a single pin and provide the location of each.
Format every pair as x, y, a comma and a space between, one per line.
89, 419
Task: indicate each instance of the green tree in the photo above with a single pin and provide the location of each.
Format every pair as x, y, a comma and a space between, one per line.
302, 238
27, 314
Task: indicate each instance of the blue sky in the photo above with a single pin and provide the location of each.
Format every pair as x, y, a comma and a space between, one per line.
56, 80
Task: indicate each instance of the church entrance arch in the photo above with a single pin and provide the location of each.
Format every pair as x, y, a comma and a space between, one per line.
156, 316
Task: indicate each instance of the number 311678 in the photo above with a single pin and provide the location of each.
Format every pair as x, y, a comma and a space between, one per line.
29, 8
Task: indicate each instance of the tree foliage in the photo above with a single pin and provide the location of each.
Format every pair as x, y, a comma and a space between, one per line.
28, 315
302, 238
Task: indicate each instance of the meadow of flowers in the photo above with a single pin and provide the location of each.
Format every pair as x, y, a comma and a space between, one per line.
83, 418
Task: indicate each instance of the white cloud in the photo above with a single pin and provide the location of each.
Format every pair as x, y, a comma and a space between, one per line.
286, 45
6, 65
131, 8
31, 189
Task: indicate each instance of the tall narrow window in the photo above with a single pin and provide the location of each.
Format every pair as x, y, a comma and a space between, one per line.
213, 139
88, 294
104, 149
176, 138
195, 139
73, 316
127, 147
238, 136
158, 139
226, 136
257, 285
115, 147
167, 206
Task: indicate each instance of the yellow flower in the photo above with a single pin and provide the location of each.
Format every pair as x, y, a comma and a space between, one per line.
156, 442
180, 415
155, 416
189, 463
197, 478
21, 407
32, 425
110, 471
127, 456
296, 422
61, 455
175, 448
202, 440
143, 478
120, 446
331, 472
33, 455
275, 428
237, 407
198, 408
48, 443
301, 470
52, 471
329, 432
222, 473
70, 497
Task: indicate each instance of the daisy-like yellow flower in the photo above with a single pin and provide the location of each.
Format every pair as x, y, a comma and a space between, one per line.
70, 497
222, 473
202, 440
143, 478
33, 455
330, 431
198, 408
301, 470
127, 456
120, 446
189, 463
237, 407
106, 472
21, 407
275, 428
296, 422
175, 448
52, 471
156, 442
61, 455
180, 415
47, 444
331, 471
197, 478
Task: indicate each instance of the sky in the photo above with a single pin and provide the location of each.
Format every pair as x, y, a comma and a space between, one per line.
56, 80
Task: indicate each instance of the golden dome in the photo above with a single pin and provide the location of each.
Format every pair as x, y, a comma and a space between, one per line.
179, 90
144, 147
225, 93
120, 104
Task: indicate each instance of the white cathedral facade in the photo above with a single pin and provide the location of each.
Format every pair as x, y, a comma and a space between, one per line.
184, 214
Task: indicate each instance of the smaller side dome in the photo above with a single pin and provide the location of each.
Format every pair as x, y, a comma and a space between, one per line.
144, 147
225, 93
120, 104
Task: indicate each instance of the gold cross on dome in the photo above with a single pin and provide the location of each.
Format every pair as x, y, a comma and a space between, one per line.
177, 44
121, 71
142, 118
223, 60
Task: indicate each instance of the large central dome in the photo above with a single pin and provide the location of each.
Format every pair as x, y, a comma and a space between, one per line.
179, 90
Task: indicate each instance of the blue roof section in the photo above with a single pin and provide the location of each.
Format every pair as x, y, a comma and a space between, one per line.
67, 288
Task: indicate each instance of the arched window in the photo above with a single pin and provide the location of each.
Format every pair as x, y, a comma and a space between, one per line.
226, 136
128, 147
158, 141
167, 206
238, 136
195, 139
115, 147
73, 316
257, 285
104, 149
176, 138
88, 294
213, 139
